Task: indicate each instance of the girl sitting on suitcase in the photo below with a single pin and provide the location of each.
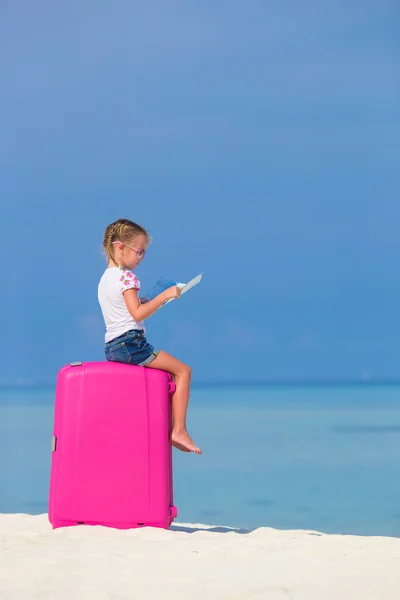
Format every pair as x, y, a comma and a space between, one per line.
125, 244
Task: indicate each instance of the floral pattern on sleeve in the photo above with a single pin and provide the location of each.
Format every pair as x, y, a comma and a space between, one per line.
128, 281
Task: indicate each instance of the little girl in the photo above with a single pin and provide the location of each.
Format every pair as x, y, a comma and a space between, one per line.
125, 244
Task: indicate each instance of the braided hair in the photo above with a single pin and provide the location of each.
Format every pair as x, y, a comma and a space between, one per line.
122, 230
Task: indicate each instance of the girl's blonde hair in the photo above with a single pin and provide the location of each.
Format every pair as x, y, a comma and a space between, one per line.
122, 230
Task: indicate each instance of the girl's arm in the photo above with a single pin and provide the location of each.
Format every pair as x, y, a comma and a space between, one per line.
140, 312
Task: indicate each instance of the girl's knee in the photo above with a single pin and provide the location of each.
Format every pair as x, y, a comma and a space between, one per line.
185, 371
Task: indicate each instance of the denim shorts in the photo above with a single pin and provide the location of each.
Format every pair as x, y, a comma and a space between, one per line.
132, 348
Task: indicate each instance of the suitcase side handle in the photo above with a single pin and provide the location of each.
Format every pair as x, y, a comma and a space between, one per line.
171, 387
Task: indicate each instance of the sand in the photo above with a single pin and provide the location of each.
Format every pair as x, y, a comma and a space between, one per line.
192, 562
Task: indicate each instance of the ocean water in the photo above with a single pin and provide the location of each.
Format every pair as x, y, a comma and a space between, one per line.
307, 457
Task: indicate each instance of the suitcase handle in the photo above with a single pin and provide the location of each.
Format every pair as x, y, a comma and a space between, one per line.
172, 387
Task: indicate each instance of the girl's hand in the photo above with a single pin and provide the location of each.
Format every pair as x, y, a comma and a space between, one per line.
172, 292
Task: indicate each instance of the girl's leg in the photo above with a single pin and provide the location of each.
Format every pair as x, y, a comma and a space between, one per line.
180, 400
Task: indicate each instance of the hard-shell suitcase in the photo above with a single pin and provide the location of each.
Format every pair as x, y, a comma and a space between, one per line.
112, 456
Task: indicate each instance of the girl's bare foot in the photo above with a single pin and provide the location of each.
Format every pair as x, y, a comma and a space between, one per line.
179, 447
183, 441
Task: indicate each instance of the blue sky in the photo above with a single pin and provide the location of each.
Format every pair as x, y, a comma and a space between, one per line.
257, 142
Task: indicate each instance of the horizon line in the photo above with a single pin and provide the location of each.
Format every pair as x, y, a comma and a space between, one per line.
304, 381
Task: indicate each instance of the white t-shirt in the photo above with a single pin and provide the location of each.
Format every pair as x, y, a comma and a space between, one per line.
114, 282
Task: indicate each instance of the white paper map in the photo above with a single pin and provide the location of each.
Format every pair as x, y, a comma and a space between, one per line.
185, 287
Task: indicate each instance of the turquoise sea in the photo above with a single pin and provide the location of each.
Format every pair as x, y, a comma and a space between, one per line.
315, 457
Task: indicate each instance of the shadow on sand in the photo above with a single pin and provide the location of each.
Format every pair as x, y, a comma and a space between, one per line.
187, 529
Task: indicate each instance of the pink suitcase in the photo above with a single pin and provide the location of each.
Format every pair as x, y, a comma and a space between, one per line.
112, 458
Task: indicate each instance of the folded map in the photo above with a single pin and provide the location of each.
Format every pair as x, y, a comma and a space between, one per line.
164, 283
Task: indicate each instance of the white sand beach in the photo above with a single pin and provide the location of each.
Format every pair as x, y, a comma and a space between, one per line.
192, 562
